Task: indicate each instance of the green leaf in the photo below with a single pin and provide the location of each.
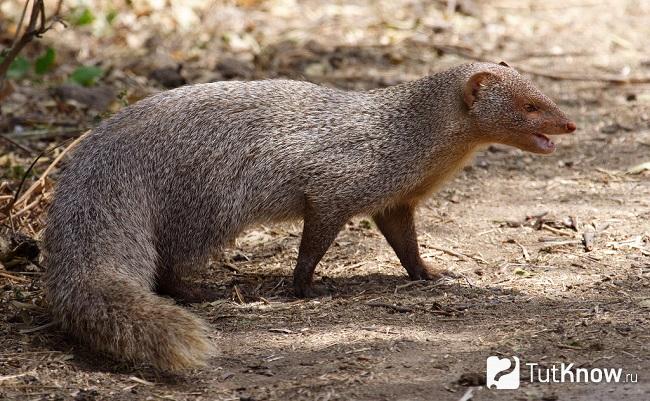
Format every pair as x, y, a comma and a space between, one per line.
45, 62
17, 171
18, 68
110, 16
83, 17
86, 75
365, 224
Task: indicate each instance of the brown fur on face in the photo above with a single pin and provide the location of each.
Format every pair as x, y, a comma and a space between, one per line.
530, 116
154, 190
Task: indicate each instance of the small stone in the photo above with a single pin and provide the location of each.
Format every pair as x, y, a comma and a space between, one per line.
96, 97
169, 77
232, 68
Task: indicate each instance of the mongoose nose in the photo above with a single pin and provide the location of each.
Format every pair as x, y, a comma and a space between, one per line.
570, 126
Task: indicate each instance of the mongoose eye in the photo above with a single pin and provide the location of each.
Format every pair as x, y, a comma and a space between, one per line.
530, 107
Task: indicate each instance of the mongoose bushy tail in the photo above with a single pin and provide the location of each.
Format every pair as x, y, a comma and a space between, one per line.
154, 190
102, 294
121, 318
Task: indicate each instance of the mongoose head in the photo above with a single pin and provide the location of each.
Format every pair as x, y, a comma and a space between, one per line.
506, 108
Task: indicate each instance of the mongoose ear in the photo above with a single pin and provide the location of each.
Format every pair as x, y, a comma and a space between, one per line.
503, 63
474, 85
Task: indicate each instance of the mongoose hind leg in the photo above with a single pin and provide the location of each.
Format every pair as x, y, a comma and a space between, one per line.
398, 226
171, 283
318, 233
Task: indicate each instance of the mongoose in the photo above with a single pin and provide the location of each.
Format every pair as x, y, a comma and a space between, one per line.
151, 192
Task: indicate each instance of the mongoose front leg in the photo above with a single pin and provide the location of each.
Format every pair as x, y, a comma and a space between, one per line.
398, 226
318, 233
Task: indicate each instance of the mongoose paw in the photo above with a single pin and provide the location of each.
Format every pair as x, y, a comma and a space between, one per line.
186, 295
310, 291
429, 273
202, 295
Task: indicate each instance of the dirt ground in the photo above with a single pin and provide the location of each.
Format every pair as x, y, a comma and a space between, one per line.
512, 225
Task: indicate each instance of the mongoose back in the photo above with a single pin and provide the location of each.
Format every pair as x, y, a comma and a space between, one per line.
154, 190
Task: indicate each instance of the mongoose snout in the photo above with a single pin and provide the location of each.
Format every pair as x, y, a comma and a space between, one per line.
570, 126
544, 143
154, 190
511, 110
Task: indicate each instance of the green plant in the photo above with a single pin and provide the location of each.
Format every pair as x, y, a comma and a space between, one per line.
86, 75
82, 16
18, 68
45, 62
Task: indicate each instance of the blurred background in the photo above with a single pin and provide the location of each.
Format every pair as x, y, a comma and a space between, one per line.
124, 50
87, 59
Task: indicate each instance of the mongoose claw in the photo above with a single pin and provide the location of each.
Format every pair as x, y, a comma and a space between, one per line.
429, 273
185, 295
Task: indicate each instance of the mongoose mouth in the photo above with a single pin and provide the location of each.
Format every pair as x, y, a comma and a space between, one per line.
543, 143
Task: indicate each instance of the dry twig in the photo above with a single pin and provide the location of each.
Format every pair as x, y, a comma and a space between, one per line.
41, 180
38, 328
12, 277
396, 308
35, 28
566, 77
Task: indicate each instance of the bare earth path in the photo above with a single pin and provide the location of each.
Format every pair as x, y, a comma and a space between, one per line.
511, 224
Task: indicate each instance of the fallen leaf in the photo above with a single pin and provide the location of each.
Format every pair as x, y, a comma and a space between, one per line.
645, 303
639, 168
